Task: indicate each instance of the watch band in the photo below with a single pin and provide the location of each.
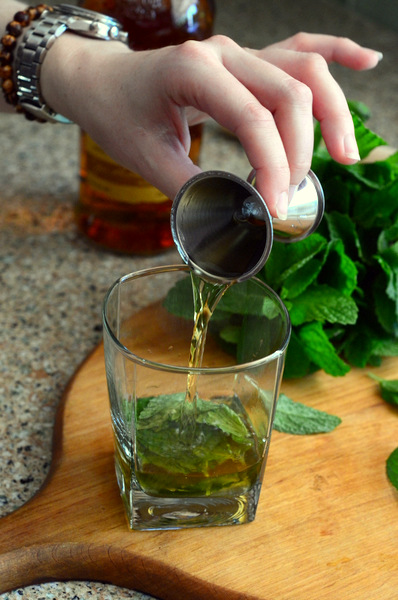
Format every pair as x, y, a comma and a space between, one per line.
30, 55
38, 40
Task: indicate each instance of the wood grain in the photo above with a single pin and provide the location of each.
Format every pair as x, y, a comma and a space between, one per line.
326, 526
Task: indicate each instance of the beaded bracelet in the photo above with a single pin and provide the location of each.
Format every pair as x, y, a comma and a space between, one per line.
14, 29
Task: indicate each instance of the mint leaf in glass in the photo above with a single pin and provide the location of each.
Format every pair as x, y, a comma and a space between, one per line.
220, 453
220, 434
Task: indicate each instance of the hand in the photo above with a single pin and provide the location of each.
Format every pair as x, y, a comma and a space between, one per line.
138, 105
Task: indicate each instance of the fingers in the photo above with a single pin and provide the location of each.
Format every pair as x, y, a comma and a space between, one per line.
290, 103
268, 110
333, 49
329, 103
268, 99
305, 56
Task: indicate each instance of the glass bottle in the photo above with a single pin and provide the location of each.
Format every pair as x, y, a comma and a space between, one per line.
118, 209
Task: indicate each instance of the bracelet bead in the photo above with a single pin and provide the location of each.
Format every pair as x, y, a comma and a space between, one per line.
9, 41
7, 86
5, 56
5, 71
14, 29
22, 17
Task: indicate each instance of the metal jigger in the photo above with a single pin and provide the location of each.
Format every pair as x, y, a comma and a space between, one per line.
222, 227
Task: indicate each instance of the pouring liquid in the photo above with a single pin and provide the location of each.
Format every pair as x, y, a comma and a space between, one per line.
206, 296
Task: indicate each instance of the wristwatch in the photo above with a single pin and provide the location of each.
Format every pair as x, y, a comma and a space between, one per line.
39, 38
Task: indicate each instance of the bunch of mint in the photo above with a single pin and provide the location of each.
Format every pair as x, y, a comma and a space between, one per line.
340, 285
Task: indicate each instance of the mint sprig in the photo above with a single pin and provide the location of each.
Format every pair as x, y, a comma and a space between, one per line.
392, 467
389, 392
388, 389
344, 278
299, 419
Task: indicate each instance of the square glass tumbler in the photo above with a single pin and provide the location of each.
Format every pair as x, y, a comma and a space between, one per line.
191, 460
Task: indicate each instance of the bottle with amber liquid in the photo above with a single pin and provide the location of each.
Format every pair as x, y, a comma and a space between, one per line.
117, 209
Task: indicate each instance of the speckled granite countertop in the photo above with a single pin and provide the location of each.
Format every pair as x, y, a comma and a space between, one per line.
53, 281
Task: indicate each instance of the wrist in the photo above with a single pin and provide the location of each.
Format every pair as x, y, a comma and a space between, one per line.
71, 72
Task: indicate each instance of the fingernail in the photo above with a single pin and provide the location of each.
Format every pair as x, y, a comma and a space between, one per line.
281, 206
379, 54
350, 147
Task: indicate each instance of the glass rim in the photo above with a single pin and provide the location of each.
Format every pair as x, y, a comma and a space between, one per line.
186, 370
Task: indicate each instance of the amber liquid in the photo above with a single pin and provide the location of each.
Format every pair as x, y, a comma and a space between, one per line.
206, 296
117, 209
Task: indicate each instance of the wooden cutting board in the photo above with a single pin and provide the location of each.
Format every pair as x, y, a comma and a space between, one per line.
326, 527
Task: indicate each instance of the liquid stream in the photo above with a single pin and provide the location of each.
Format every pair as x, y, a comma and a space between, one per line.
206, 296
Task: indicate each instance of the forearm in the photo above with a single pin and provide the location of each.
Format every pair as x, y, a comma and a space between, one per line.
75, 70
